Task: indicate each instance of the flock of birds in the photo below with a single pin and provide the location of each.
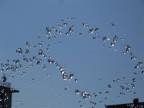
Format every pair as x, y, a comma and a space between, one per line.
67, 28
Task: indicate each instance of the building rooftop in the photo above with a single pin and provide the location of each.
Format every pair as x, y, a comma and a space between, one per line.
135, 104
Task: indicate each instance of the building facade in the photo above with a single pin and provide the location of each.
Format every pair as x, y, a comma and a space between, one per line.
135, 104
6, 94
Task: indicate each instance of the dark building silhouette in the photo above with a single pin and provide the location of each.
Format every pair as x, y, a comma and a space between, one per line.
135, 104
6, 94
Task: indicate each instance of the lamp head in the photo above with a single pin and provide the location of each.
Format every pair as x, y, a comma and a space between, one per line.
3, 79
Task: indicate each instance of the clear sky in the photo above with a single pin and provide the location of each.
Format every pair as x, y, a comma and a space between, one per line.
103, 74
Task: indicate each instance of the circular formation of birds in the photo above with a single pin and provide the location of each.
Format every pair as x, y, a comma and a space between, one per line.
67, 28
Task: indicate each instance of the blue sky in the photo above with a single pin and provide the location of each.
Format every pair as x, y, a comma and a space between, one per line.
91, 61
